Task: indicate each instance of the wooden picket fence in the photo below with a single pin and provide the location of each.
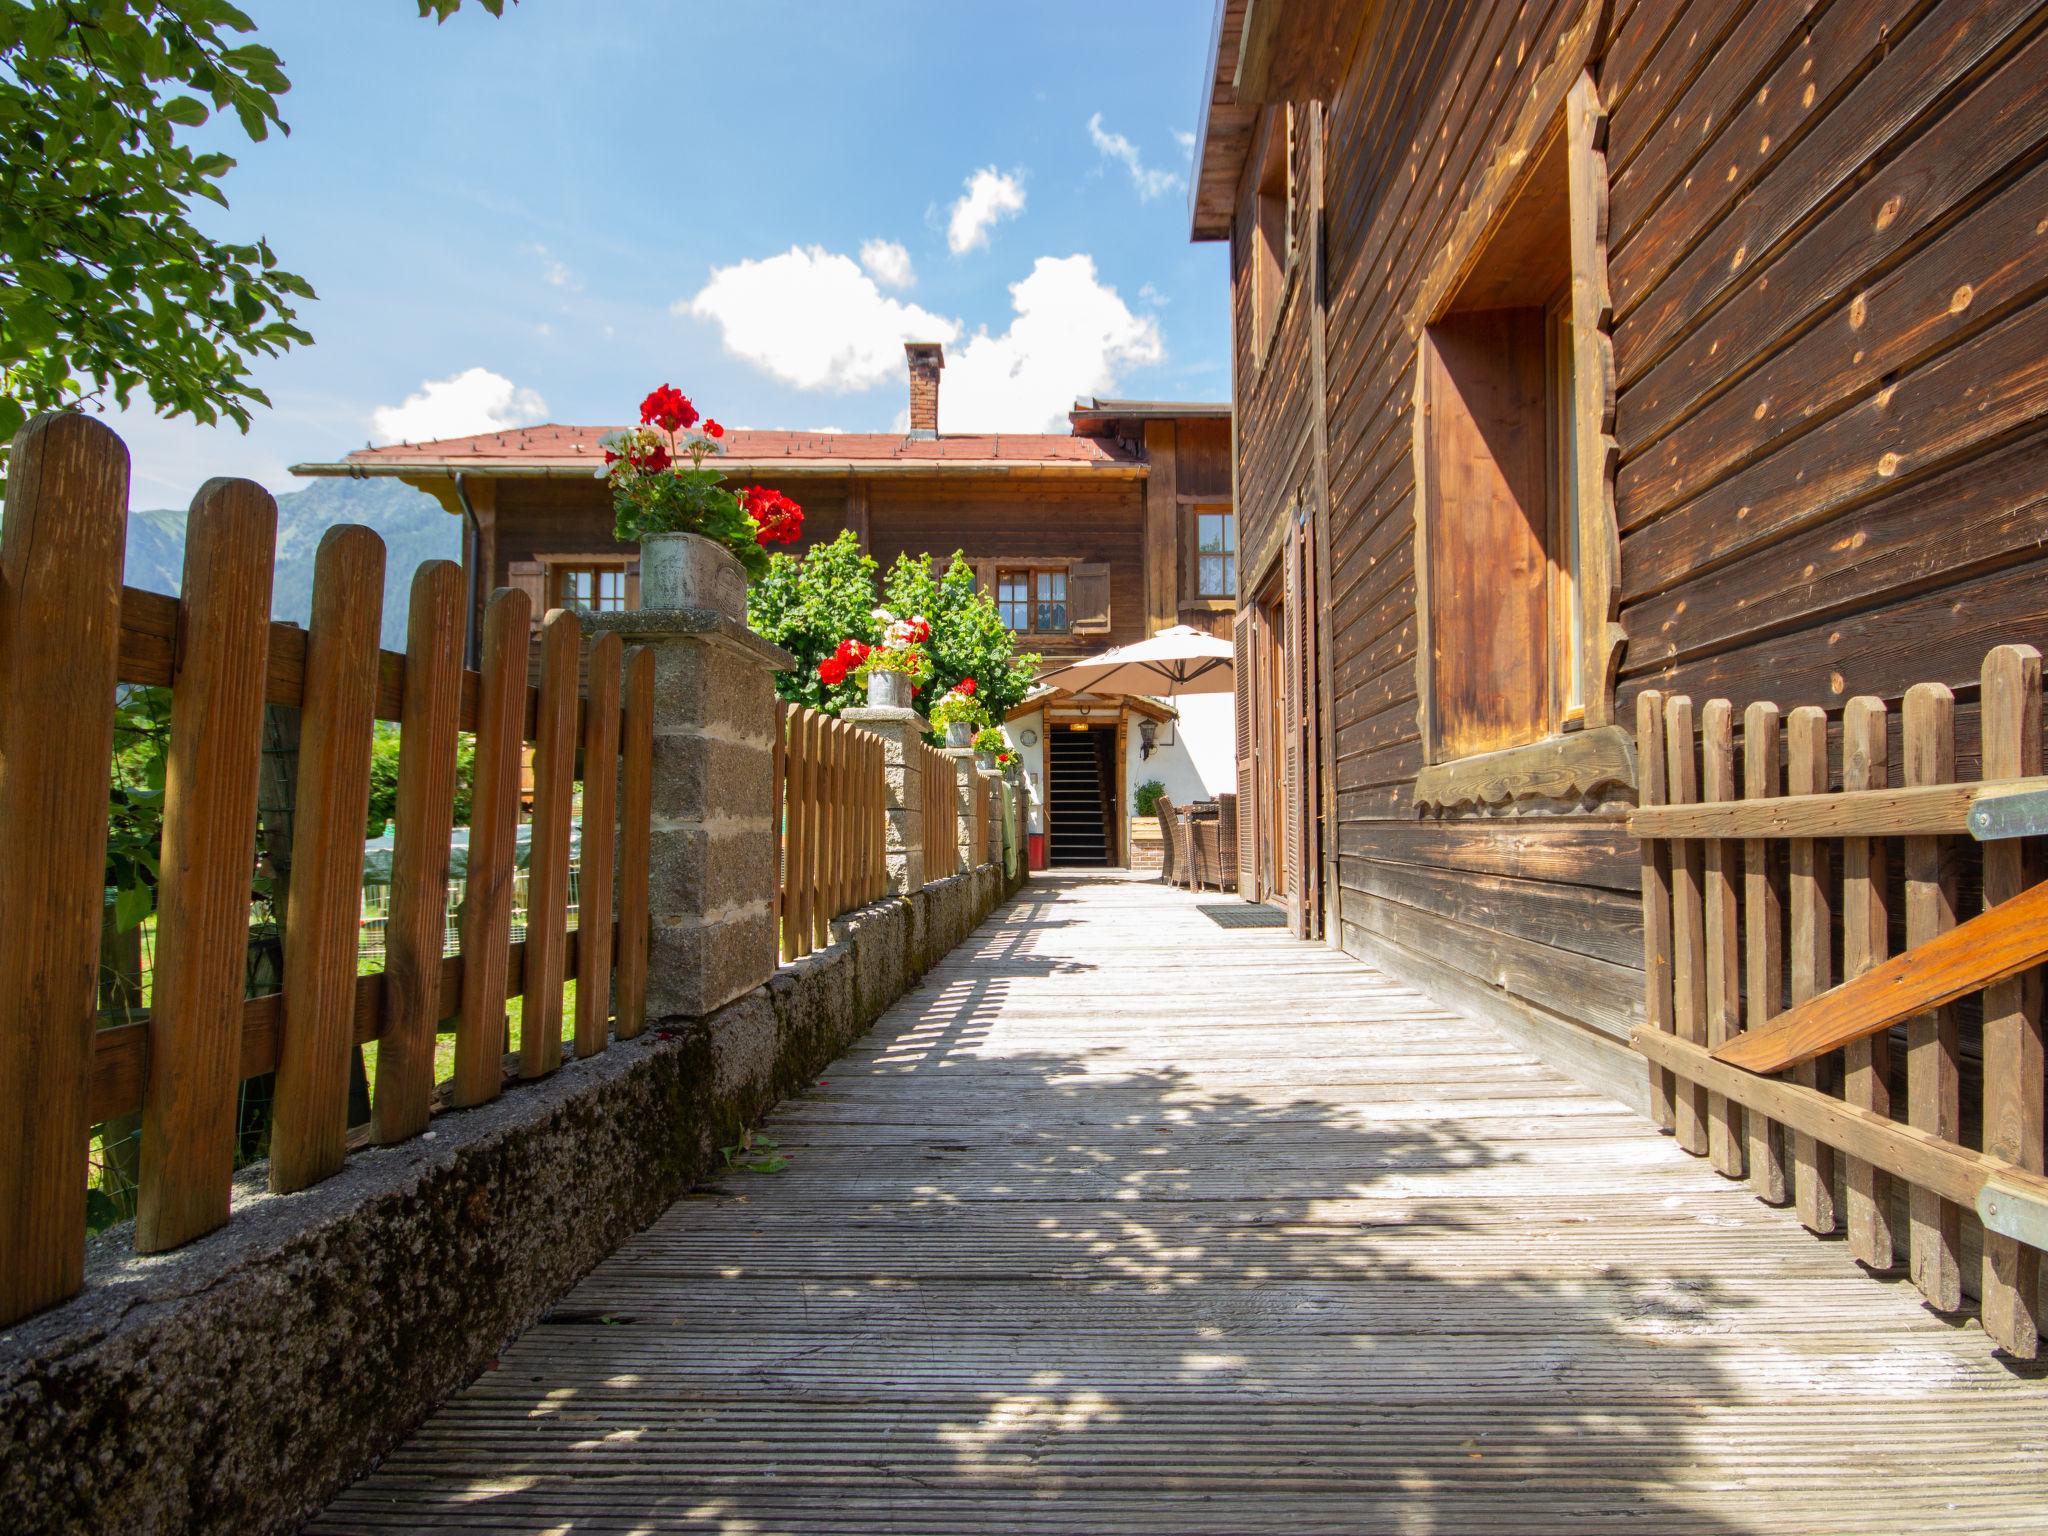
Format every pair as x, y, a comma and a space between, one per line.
69, 634
832, 817
941, 813
1759, 895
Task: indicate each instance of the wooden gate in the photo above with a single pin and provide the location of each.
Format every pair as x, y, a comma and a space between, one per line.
1907, 1103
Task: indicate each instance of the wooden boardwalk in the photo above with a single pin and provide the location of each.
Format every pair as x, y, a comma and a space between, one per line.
1124, 1221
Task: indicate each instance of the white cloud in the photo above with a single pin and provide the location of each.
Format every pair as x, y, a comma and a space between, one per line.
812, 318
1072, 335
1150, 183
1147, 294
888, 263
556, 273
475, 400
1185, 140
991, 196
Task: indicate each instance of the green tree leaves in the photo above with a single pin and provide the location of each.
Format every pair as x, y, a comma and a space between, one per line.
808, 605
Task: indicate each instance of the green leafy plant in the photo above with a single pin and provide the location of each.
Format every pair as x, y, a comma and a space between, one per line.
135, 801
384, 754
754, 1153
807, 605
1146, 797
960, 706
968, 638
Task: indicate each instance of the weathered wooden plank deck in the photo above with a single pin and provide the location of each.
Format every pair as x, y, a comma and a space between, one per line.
1127, 1222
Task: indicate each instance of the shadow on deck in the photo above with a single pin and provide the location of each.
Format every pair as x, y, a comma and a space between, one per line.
1124, 1222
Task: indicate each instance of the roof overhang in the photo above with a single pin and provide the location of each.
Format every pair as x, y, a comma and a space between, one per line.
1263, 52
1044, 698
419, 472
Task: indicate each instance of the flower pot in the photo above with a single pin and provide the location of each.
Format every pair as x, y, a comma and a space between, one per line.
686, 570
888, 690
986, 761
960, 733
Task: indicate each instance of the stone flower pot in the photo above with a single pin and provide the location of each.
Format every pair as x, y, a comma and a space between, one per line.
888, 690
685, 570
960, 733
986, 761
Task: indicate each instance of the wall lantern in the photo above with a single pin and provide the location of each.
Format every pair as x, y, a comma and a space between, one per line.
1148, 738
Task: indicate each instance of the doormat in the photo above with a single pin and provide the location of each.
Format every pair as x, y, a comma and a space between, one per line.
1242, 914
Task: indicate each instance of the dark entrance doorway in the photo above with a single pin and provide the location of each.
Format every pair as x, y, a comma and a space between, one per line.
1080, 780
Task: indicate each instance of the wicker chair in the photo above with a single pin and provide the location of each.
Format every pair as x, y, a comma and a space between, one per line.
1169, 840
1226, 842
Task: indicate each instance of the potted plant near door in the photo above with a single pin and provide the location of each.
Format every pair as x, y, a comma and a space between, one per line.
894, 669
700, 541
960, 713
991, 749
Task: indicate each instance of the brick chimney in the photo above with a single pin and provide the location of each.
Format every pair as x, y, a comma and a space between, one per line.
926, 359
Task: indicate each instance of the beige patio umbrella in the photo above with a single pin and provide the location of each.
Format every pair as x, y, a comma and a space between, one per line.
1180, 660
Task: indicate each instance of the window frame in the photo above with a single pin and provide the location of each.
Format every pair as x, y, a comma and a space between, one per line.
1270, 234
1192, 594
1032, 572
558, 568
1582, 748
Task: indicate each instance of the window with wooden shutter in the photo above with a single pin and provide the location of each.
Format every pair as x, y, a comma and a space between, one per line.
1088, 598
530, 577
1514, 496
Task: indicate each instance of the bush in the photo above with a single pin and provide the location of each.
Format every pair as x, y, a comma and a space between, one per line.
1146, 797
384, 777
808, 604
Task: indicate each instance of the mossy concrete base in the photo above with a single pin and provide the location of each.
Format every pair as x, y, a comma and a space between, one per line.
234, 1385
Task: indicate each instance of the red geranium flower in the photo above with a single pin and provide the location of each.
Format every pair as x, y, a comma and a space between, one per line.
965, 685
777, 519
832, 670
713, 429
669, 409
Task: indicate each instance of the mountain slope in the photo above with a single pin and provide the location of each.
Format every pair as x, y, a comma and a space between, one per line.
412, 524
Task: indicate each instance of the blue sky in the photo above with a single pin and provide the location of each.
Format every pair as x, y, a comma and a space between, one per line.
540, 217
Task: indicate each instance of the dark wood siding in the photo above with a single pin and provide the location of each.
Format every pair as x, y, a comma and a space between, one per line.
1828, 274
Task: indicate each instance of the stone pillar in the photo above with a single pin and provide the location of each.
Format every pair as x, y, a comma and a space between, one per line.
711, 865
900, 730
964, 780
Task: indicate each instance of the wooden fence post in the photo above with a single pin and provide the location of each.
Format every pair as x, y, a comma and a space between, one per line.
1688, 919
1656, 861
209, 847
547, 868
60, 626
1763, 918
2013, 1055
1813, 1160
600, 847
416, 930
309, 1130
1866, 936
1933, 1069
493, 828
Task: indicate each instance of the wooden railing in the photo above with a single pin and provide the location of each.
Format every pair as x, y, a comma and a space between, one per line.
1755, 900
70, 633
831, 812
941, 813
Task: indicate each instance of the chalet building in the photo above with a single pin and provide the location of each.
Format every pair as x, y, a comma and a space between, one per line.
1583, 349
1095, 537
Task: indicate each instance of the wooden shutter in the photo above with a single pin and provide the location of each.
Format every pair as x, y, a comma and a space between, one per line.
1088, 599
1290, 725
530, 577
633, 584
1247, 761
985, 577
1307, 617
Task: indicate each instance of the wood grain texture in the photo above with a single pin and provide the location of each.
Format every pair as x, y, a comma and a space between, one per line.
1656, 879
1725, 1140
1037, 1240
209, 849
1866, 938
493, 823
1763, 923
547, 878
600, 845
1933, 1042
1688, 919
309, 1127
415, 931
1811, 956
2015, 1071
636, 811
60, 613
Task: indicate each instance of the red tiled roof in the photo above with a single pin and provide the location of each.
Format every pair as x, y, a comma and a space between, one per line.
555, 446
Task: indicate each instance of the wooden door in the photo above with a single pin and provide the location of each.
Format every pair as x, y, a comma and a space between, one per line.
1301, 700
